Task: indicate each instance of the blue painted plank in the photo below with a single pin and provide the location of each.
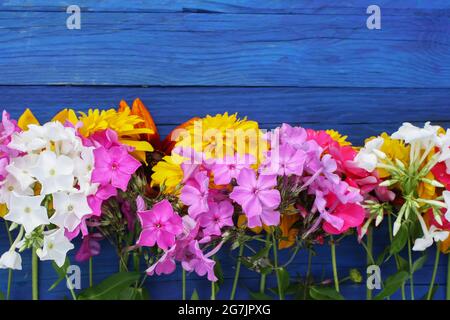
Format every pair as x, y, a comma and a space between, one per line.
228, 6
359, 113
317, 50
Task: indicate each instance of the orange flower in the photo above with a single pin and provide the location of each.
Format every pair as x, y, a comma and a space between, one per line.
169, 142
287, 221
138, 108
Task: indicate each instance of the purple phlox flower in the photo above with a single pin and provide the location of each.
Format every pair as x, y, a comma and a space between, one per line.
196, 261
285, 161
89, 247
218, 216
229, 168
195, 194
257, 197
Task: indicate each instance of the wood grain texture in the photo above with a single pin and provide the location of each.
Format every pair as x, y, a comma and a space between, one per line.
228, 6
356, 112
312, 63
317, 50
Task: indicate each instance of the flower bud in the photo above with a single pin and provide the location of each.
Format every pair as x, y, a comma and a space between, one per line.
355, 276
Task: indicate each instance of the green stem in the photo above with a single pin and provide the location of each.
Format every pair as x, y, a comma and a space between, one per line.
369, 258
433, 277
238, 269
262, 282
136, 261
397, 263
275, 257
333, 261
183, 283
34, 275
411, 273
308, 273
91, 272
10, 271
448, 277
72, 292
213, 285
213, 290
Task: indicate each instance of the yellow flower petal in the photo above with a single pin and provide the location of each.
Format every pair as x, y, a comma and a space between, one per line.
66, 115
167, 172
3, 210
26, 119
138, 145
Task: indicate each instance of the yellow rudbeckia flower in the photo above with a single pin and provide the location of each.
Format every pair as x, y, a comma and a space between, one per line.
224, 135
338, 137
167, 172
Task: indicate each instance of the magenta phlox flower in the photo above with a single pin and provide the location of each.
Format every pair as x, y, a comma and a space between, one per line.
114, 166
195, 194
160, 225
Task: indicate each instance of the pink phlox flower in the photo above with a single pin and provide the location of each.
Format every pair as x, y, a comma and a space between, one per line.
351, 214
257, 196
114, 166
320, 204
226, 169
95, 201
82, 227
294, 136
196, 261
285, 161
160, 225
218, 216
165, 265
140, 204
90, 247
195, 194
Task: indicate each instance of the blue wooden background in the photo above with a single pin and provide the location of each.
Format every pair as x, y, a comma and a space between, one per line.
310, 62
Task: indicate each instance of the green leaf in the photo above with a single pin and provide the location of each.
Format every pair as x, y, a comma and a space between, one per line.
400, 240
418, 264
61, 271
380, 259
324, 293
259, 296
2, 296
111, 288
218, 272
195, 295
403, 264
284, 279
263, 252
392, 284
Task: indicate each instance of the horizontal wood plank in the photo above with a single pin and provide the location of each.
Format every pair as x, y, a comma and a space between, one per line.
319, 50
228, 6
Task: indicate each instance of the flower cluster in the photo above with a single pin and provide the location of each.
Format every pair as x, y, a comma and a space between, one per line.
54, 179
414, 164
211, 182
